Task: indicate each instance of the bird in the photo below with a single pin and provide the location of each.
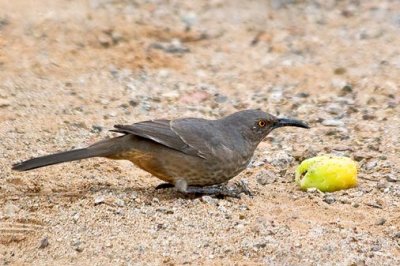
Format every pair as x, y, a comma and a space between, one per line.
194, 155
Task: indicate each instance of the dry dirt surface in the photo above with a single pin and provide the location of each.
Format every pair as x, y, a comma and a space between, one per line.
70, 70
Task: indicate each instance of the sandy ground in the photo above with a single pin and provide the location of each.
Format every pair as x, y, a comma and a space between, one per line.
70, 70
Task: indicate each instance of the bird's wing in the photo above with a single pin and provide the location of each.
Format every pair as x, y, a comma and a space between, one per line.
206, 137
161, 132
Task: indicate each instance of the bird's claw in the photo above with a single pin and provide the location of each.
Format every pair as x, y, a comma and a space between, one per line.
243, 187
226, 192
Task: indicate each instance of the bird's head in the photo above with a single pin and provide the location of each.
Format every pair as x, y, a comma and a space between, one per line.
255, 125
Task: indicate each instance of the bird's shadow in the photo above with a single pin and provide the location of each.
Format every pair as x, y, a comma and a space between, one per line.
145, 194
149, 193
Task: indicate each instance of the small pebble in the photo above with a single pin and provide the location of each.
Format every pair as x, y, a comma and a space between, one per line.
347, 89
170, 94
79, 248
44, 243
134, 195
332, 123
163, 73
174, 47
370, 33
112, 114
209, 200
133, 103
358, 156
165, 210
380, 221
260, 245
120, 202
370, 165
77, 245
189, 18
116, 37
338, 83
105, 40
10, 210
4, 103
96, 129
222, 209
266, 177
329, 199
220, 98
391, 178
240, 226
244, 208
368, 117
99, 200
376, 247
119, 211
339, 71
382, 184
314, 190
75, 217
334, 108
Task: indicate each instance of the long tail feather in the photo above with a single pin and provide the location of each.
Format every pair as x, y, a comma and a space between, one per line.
100, 149
61, 157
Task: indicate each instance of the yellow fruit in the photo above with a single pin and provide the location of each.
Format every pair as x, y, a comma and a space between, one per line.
327, 173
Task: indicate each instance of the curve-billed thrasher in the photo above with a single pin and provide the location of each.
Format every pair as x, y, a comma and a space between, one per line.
188, 153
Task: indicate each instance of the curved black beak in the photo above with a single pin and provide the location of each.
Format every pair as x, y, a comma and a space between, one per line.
285, 122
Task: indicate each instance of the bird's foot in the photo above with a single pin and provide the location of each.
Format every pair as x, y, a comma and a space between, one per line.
220, 191
243, 187
164, 186
216, 190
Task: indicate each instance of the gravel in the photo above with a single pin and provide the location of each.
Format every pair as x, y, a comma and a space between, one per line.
70, 75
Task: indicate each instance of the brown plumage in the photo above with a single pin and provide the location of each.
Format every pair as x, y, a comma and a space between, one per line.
190, 153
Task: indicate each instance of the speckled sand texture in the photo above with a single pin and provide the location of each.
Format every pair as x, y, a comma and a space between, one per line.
70, 70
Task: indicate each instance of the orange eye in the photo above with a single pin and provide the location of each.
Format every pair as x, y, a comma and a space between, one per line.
261, 123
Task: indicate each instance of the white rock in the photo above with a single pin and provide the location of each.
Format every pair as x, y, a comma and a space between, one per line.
4, 102
99, 200
332, 123
10, 210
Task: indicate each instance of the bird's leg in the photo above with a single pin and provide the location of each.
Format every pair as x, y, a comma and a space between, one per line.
164, 186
